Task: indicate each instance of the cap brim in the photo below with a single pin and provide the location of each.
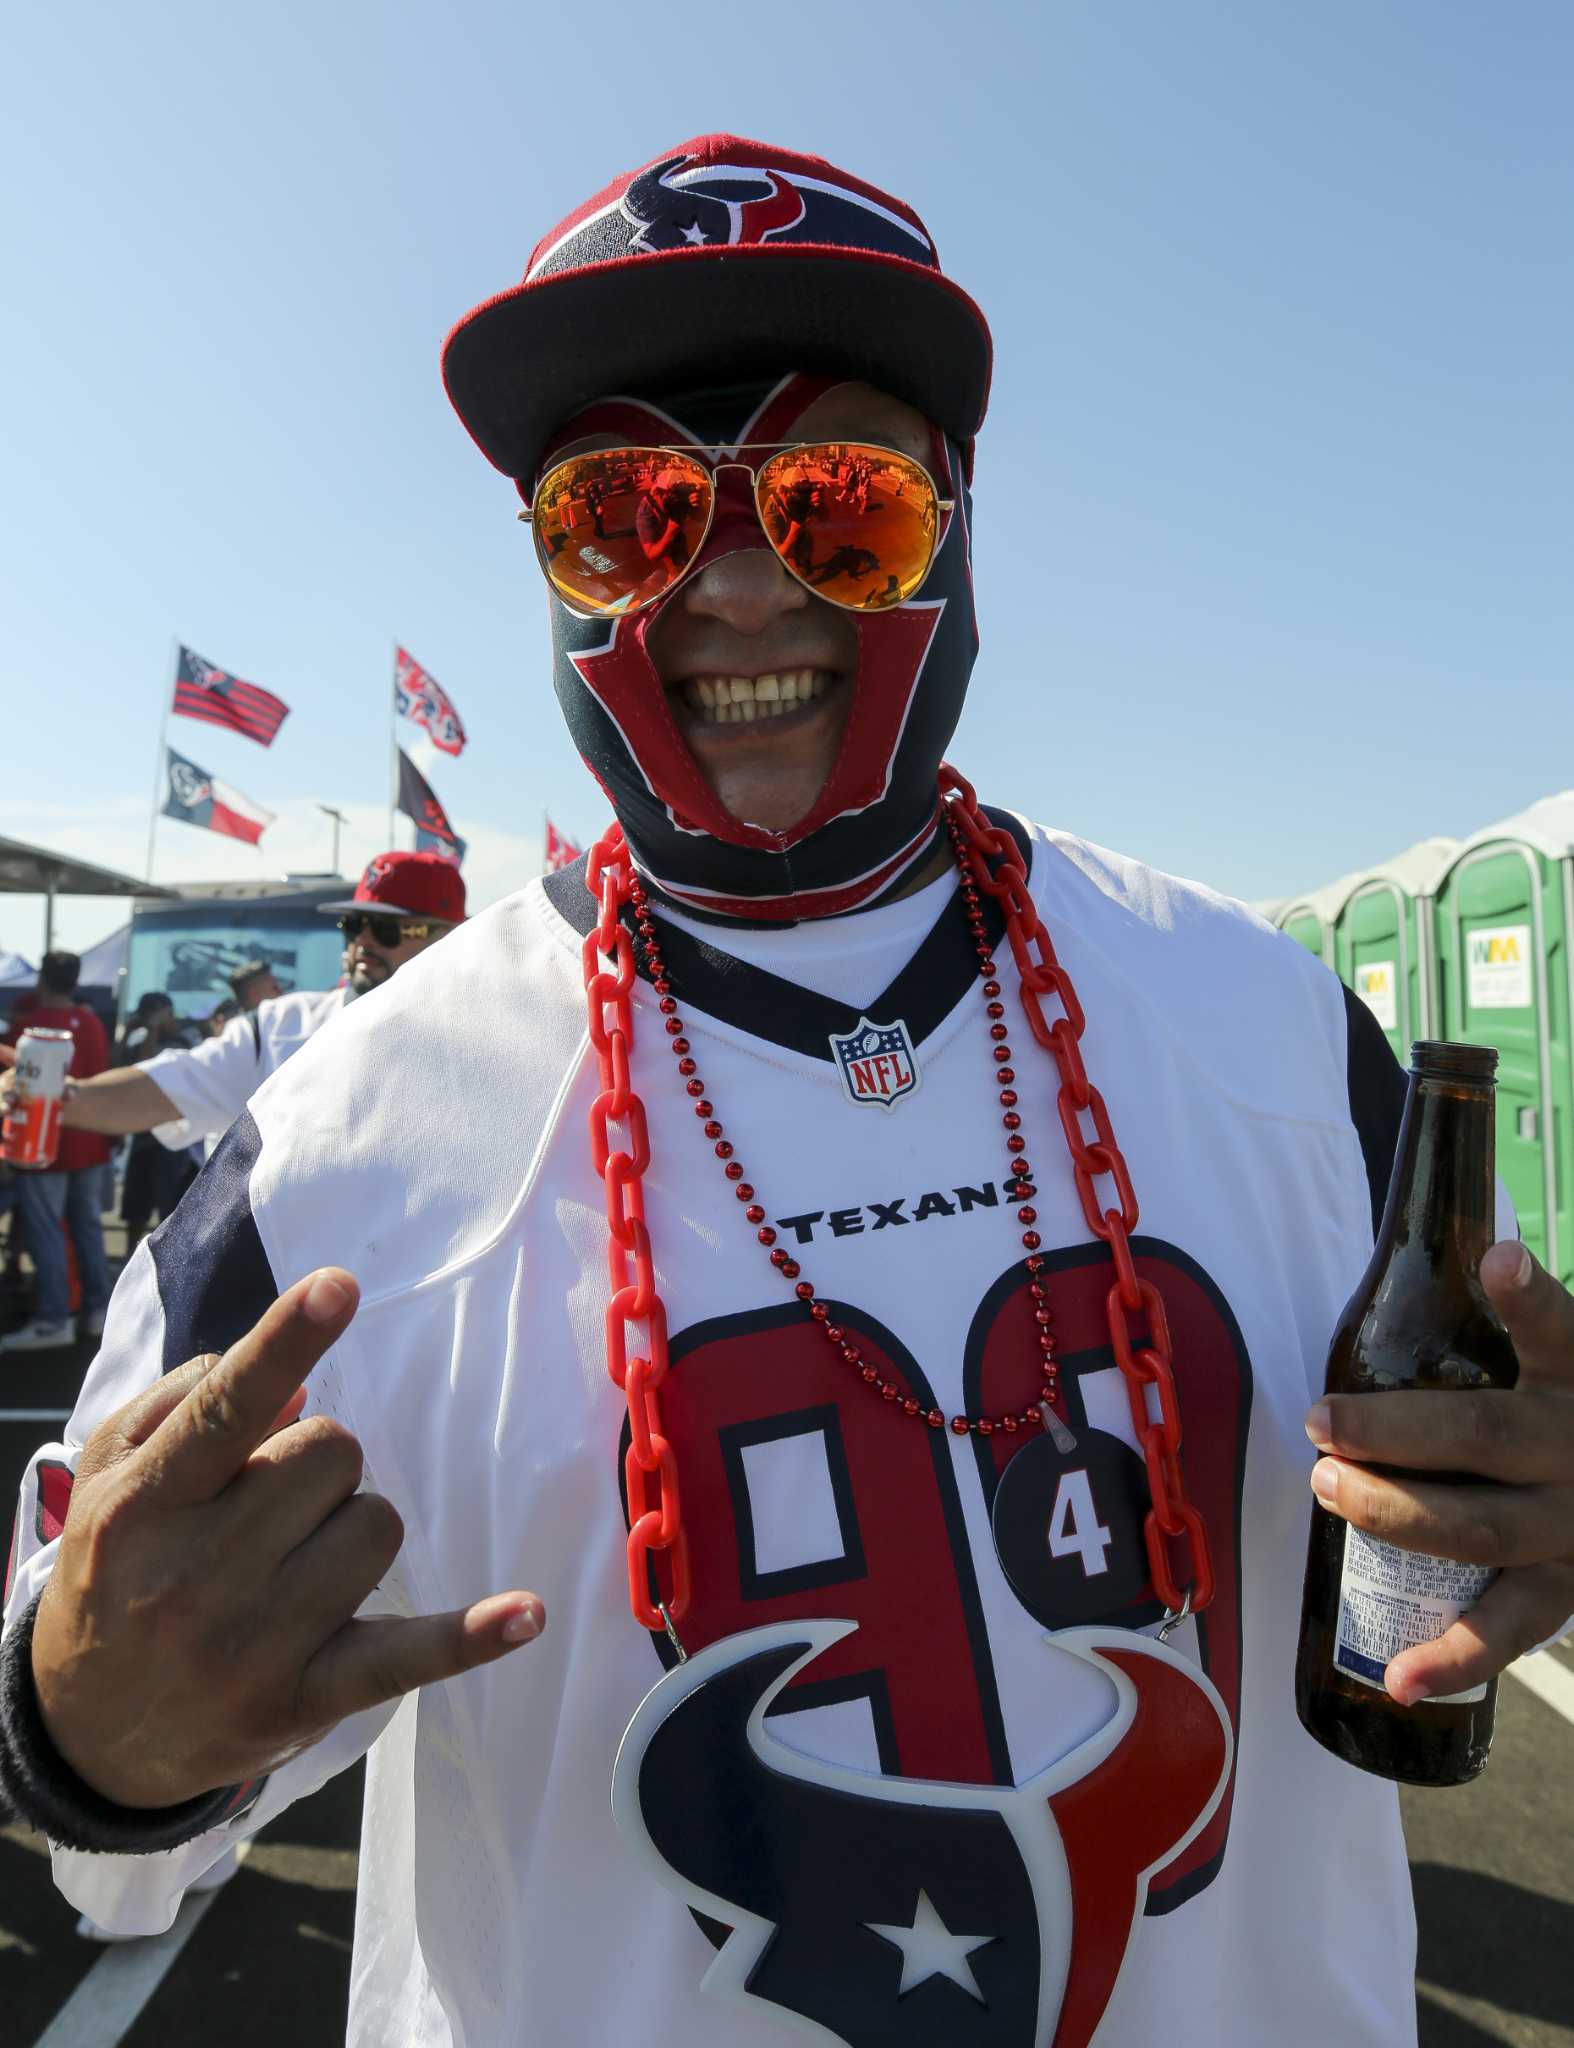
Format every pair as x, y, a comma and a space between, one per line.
523, 362
379, 910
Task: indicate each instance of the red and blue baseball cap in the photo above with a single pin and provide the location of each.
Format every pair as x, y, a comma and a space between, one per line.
408, 885
727, 258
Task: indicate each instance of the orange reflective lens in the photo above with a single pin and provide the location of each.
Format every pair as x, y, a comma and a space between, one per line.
617, 527
855, 523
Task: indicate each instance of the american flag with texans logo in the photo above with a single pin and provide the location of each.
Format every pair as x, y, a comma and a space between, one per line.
214, 695
419, 696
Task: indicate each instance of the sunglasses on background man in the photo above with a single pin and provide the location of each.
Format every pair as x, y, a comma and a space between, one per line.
387, 931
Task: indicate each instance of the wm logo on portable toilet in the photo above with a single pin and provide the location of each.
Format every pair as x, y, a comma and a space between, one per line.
1497, 967
1376, 983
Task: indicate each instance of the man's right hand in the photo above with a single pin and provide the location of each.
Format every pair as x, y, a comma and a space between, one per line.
198, 1628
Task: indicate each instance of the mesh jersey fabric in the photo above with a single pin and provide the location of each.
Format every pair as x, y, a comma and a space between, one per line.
496, 1888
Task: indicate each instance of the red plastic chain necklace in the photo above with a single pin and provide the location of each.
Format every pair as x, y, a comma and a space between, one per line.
988, 861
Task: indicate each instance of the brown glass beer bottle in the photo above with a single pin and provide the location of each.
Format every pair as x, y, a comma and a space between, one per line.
1420, 1318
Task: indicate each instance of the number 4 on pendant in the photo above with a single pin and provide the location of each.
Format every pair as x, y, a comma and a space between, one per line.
1074, 1526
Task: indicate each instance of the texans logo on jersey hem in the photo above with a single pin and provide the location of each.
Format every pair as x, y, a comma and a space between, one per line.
883, 1913
913, 1889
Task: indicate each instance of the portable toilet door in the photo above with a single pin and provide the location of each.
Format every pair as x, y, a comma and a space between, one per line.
1383, 942
1505, 910
1374, 954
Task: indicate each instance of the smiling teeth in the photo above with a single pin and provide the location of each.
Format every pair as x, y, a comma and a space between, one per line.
729, 700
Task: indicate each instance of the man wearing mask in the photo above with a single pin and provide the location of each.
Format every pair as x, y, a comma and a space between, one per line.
403, 903
747, 1259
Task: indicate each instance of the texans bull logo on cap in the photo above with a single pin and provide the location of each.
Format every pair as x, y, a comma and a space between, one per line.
686, 201
877, 1062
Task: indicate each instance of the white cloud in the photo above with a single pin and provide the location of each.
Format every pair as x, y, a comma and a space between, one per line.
114, 834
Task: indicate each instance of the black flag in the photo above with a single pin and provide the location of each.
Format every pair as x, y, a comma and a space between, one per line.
417, 801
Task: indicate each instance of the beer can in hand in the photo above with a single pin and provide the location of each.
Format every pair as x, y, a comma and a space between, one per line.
30, 1135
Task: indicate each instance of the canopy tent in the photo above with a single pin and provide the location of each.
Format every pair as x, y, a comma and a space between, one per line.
103, 964
37, 871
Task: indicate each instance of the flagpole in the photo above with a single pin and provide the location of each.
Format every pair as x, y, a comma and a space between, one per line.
159, 764
393, 747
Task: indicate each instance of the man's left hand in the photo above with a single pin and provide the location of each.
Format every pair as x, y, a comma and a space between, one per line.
1521, 1440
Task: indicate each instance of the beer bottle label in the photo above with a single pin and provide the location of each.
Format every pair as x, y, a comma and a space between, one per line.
1391, 1599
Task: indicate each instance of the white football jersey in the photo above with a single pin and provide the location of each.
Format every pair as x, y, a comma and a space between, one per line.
927, 1774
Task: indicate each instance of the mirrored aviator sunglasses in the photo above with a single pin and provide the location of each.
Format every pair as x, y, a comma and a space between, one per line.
855, 523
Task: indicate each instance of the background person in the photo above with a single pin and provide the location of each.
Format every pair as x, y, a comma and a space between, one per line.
403, 903
254, 982
155, 1176
72, 1190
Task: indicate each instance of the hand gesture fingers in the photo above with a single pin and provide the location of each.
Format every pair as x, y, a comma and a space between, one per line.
293, 1482
203, 1444
220, 1524
369, 1662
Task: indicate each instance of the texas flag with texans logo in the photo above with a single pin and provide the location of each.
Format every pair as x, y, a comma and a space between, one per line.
421, 697
218, 698
198, 798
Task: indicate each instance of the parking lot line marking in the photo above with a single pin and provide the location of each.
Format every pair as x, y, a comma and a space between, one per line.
104, 2005
1549, 1680
35, 1414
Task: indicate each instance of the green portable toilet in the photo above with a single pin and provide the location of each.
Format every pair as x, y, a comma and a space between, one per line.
1505, 914
1309, 919
1382, 944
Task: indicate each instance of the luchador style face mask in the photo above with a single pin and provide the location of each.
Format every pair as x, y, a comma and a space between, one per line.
901, 682
705, 274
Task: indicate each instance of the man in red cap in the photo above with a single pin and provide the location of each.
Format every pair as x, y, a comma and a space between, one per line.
922, 1527
403, 903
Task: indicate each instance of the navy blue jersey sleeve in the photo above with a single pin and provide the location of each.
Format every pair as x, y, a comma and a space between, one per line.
1377, 1085
213, 1275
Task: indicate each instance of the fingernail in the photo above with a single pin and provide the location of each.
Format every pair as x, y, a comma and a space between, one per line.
1524, 1265
523, 1626
325, 1299
1325, 1480
1319, 1425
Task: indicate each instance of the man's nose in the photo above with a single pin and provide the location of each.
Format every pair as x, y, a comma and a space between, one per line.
748, 590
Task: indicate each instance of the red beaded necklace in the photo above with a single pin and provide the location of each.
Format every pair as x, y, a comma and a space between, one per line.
650, 1466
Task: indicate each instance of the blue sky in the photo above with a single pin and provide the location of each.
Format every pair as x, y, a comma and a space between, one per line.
1274, 501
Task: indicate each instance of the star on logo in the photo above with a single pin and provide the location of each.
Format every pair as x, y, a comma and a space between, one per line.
930, 1949
694, 233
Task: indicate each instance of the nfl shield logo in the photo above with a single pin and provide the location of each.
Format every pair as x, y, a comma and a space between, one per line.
876, 1062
